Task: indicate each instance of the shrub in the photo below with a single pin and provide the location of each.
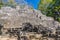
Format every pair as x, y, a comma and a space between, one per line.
50, 8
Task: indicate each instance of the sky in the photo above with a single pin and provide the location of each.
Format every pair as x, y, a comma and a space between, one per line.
33, 3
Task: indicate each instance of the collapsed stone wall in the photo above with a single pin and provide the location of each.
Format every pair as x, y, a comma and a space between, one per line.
28, 30
26, 20
21, 15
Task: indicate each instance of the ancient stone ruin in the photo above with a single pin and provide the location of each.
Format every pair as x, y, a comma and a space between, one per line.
27, 24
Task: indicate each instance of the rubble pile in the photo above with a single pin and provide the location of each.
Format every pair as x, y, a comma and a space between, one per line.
23, 20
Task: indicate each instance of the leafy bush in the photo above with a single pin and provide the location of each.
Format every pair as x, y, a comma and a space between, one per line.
50, 8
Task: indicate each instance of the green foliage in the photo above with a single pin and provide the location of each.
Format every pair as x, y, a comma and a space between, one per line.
1, 4
50, 8
11, 3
